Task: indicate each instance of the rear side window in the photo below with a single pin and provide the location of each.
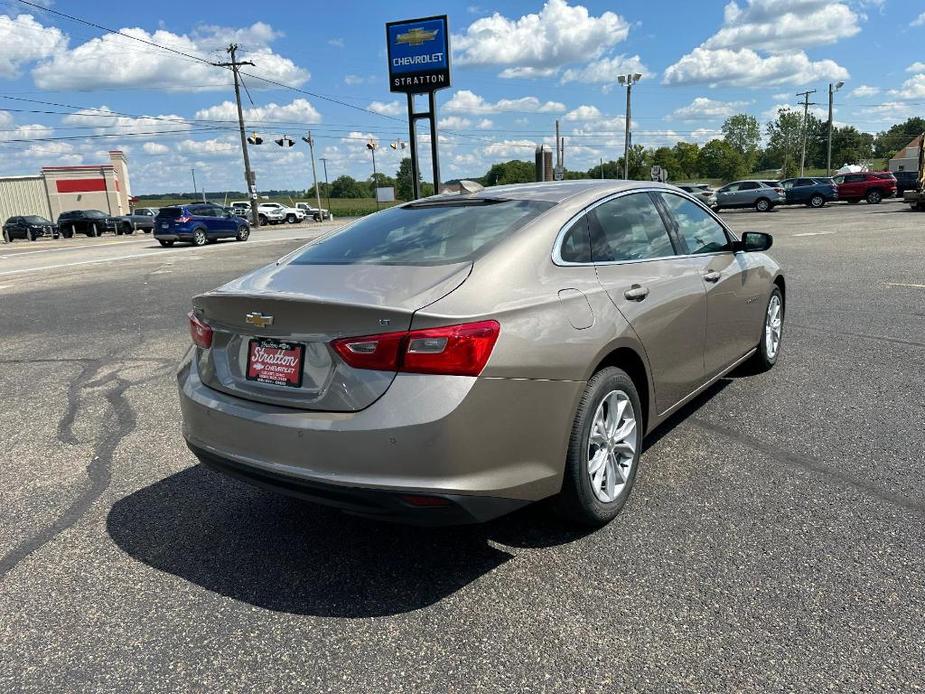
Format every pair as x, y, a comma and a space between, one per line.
628, 228
576, 244
170, 212
431, 233
696, 227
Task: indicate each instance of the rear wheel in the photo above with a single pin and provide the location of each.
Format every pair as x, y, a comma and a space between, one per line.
816, 201
762, 204
771, 334
199, 237
874, 197
30, 235
603, 451
291, 219
263, 220
165, 244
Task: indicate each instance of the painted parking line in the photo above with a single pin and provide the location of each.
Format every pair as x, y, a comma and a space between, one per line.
815, 233
72, 248
904, 284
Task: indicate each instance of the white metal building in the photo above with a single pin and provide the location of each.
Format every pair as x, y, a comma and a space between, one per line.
907, 159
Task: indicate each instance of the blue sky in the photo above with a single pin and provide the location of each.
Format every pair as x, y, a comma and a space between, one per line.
518, 66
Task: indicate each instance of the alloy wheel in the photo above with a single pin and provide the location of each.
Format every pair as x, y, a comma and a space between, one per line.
817, 201
772, 327
612, 446
763, 205
200, 238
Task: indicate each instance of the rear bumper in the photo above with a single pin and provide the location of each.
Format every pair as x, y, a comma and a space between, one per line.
486, 445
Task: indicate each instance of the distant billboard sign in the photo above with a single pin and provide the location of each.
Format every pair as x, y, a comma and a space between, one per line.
419, 54
385, 194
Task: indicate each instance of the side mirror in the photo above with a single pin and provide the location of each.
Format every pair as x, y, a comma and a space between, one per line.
753, 241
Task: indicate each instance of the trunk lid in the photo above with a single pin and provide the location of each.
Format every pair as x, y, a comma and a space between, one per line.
310, 305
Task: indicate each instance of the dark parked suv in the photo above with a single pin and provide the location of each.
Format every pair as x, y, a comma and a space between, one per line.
91, 223
814, 192
28, 227
198, 224
906, 180
867, 185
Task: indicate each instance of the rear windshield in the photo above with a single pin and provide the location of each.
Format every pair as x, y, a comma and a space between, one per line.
171, 212
424, 234
884, 175
33, 219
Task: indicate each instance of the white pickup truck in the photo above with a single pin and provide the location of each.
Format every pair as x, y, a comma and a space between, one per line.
319, 215
275, 213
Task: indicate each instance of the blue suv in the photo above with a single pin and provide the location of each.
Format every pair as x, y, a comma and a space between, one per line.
199, 223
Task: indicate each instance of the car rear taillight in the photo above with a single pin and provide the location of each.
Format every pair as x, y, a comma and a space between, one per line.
453, 350
199, 331
183, 220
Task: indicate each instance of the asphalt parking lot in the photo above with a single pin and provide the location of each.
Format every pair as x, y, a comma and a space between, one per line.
773, 542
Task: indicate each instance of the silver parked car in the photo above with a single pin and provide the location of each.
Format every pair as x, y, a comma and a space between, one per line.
455, 358
703, 191
762, 195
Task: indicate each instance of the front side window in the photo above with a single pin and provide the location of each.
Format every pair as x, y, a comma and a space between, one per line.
696, 227
749, 185
731, 188
628, 228
430, 233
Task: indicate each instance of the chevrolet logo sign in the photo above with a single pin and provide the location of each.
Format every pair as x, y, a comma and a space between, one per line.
258, 319
416, 37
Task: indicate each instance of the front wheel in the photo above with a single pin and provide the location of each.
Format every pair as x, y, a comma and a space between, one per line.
604, 450
762, 204
263, 220
129, 230
816, 201
243, 234
874, 197
769, 347
291, 219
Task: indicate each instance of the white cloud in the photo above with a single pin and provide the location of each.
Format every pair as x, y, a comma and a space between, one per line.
336, 42
33, 131
783, 25
745, 68
865, 90
354, 80
510, 149
6, 119
702, 108
912, 88
103, 120
606, 70
454, 123
392, 108
24, 40
485, 124
528, 72
583, 113
919, 21
555, 36
916, 67
299, 111
155, 149
465, 101
214, 147
115, 61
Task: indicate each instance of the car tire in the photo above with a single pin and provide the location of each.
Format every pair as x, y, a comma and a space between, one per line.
128, 230
763, 205
263, 220
164, 243
30, 235
817, 201
588, 497
56, 236
243, 234
769, 350
291, 219
199, 237
874, 197
68, 234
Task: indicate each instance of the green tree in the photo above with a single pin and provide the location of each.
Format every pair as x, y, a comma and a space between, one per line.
514, 171
687, 154
785, 142
664, 157
637, 168
348, 187
898, 136
403, 187
850, 146
743, 132
719, 159
612, 169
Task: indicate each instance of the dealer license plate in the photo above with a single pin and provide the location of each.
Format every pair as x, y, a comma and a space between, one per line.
275, 362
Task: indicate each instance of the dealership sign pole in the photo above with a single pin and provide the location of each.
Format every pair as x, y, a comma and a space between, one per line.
419, 63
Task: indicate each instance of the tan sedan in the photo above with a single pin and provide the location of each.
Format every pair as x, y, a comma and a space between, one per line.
453, 359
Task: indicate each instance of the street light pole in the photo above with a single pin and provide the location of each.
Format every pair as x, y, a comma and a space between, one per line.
311, 146
372, 146
628, 80
832, 89
327, 186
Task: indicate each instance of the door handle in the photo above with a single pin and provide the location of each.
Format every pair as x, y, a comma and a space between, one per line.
712, 276
636, 293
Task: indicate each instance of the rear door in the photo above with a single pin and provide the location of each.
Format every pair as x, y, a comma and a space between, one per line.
660, 294
748, 193
734, 284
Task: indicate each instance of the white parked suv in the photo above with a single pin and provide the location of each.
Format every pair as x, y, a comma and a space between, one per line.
319, 215
274, 213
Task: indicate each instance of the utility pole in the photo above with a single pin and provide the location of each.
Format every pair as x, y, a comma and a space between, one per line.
248, 174
558, 147
602, 168
832, 89
196, 192
372, 145
311, 145
327, 186
629, 80
806, 105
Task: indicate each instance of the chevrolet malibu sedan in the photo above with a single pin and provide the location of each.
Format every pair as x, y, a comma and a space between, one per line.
455, 358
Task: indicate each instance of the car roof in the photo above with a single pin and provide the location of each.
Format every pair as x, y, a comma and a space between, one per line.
552, 191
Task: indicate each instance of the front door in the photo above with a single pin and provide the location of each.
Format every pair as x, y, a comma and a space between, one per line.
661, 295
734, 284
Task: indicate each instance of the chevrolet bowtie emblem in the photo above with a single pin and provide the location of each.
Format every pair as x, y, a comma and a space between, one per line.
415, 37
258, 319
